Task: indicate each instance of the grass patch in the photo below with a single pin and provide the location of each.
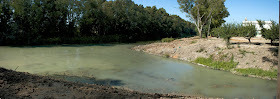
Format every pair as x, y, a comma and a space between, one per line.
193, 42
243, 52
258, 72
167, 39
216, 64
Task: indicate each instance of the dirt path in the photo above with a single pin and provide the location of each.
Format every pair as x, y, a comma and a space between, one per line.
14, 85
259, 54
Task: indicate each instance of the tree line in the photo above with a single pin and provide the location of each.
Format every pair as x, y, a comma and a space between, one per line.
28, 22
247, 31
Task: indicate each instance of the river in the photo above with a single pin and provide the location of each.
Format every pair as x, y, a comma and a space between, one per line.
119, 66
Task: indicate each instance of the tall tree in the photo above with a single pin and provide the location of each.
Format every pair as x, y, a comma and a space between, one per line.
217, 17
202, 11
5, 20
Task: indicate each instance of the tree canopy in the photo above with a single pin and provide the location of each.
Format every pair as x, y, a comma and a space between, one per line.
85, 21
272, 34
203, 12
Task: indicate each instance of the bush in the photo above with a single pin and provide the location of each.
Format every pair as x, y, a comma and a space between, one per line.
167, 39
166, 56
216, 64
258, 72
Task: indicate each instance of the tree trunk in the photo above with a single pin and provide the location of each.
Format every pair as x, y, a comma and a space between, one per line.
200, 33
249, 40
271, 42
210, 21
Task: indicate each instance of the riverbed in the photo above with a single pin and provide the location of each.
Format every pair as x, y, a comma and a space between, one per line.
119, 66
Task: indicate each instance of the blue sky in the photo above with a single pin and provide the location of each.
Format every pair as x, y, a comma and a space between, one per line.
238, 9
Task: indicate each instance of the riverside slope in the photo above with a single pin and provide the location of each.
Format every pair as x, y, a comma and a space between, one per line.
259, 54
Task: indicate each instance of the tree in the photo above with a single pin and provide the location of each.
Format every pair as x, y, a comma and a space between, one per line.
203, 11
217, 17
226, 31
248, 31
5, 21
272, 34
28, 22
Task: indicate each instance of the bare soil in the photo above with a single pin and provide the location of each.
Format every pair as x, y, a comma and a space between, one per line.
258, 54
14, 85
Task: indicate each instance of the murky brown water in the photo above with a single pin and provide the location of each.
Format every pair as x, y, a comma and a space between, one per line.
119, 66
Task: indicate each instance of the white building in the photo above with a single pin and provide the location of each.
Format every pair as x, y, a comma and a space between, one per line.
267, 25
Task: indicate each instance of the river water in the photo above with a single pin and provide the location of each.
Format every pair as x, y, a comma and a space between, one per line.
119, 66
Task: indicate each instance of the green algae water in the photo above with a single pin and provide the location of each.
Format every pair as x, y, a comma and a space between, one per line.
119, 66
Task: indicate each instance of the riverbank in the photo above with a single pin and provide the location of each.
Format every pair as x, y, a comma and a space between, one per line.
259, 55
24, 85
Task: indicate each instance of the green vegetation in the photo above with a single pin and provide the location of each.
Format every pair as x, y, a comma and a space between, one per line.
193, 42
272, 34
33, 22
258, 72
166, 56
248, 31
226, 31
167, 39
210, 13
243, 52
216, 64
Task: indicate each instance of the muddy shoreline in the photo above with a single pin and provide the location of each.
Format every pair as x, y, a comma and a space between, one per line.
24, 85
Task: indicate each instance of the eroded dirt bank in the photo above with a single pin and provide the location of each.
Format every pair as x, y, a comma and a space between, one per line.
24, 85
259, 54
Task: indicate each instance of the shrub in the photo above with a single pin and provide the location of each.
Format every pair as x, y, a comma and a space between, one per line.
167, 39
166, 56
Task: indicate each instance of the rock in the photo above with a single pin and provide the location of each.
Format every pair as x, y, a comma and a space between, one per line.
1, 81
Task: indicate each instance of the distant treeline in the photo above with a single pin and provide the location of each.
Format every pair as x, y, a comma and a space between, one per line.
29, 22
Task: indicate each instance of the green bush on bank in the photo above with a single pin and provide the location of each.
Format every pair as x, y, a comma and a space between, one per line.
216, 64
258, 72
167, 39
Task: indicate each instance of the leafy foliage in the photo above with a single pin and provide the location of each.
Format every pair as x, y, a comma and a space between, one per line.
202, 12
25, 22
226, 31
272, 34
247, 31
